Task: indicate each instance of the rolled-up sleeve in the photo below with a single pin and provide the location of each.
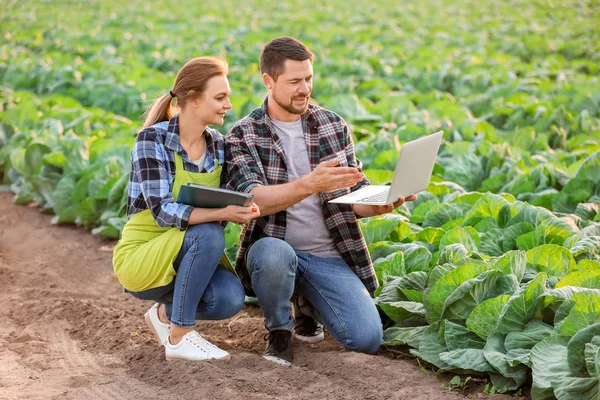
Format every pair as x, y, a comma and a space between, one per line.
149, 159
243, 172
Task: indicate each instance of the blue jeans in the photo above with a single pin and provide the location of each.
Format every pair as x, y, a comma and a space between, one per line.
341, 301
200, 290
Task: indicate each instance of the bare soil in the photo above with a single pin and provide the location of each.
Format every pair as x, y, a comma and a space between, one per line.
67, 331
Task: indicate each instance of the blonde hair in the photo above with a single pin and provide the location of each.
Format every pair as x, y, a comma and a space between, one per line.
189, 84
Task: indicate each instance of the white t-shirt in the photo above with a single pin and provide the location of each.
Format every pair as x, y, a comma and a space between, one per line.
200, 162
305, 228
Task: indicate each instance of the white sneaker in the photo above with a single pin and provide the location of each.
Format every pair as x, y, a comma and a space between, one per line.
160, 329
194, 347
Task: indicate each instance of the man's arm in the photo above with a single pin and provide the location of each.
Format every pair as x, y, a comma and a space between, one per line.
245, 175
326, 177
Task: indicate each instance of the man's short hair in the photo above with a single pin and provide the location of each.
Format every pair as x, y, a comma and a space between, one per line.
277, 51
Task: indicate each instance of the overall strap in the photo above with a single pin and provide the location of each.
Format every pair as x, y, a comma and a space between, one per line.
178, 162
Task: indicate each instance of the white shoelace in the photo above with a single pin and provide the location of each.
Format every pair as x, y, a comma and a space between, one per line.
199, 342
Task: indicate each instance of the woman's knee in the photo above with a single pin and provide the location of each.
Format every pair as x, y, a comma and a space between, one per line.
271, 256
208, 234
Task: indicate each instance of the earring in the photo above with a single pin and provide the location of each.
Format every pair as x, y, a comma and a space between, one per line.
195, 105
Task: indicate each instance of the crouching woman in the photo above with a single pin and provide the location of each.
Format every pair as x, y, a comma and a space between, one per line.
171, 253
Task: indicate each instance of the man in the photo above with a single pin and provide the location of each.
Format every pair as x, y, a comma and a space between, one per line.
295, 157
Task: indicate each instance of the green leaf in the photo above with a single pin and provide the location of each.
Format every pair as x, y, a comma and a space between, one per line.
518, 356
552, 259
590, 169
484, 318
591, 352
513, 262
412, 285
467, 359
416, 257
486, 224
405, 313
588, 265
378, 176
389, 292
495, 354
467, 236
567, 388
487, 206
419, 213
576, 350
452, 253
585, 312
458, 337
491, 242
587, 279
432, 346
588, 247
34, 157
466, 170
401, 232
549, 361
392, 265
444, 213
429, 235
449, 283
378, 229
397, 336
534, 332
519, 309
461, 302
512, 233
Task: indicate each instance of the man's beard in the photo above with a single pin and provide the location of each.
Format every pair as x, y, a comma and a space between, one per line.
290, 107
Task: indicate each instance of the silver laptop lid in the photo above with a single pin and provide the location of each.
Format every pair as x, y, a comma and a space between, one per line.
418, 158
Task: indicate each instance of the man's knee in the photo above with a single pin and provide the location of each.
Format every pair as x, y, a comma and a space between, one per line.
365, 339
272, 257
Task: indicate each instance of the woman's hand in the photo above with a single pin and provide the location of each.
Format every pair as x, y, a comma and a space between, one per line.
241, 215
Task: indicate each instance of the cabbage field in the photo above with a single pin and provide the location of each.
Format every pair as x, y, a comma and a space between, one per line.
493, 271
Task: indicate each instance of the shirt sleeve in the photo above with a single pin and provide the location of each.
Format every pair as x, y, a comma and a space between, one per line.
351, 157
149, 164
243, 172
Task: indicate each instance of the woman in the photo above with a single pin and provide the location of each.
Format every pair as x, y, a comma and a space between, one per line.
170, 252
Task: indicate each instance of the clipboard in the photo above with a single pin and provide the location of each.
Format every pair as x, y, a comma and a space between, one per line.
211, 197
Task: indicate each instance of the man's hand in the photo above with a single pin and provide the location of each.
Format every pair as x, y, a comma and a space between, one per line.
327, 177
365, 210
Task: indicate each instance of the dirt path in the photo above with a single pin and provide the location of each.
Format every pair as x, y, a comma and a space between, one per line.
68, 332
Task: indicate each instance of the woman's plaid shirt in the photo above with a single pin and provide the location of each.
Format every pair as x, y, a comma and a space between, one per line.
153, 171
255, 157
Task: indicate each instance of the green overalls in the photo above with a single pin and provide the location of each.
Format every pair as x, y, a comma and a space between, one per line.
143, 258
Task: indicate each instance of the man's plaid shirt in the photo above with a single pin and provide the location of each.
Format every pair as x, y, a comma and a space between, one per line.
255, 157
153, 171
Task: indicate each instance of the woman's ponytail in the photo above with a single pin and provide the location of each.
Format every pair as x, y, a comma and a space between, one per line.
160, 110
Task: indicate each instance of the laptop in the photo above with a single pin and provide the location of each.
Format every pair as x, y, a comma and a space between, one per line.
413, 172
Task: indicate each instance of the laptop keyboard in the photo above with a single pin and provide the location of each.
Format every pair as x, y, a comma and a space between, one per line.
376, 198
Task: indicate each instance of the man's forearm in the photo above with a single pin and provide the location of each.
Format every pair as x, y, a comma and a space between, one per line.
272, 199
